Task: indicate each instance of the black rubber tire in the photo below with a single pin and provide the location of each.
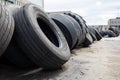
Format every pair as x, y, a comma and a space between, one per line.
14, 54
108, 33
111, 33
82, 25
115, 31
40, 38
93, 36
96, 33
88, 40
103, 33
67, 27
6, 29
78, 30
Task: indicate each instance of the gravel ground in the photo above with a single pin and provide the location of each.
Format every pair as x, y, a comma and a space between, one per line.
100, 61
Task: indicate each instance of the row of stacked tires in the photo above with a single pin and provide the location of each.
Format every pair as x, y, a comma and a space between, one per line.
75, 30
111, 32
29, 37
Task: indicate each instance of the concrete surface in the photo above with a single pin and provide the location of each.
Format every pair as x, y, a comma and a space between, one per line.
100, 61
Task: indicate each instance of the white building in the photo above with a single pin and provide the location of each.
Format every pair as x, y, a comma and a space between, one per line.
114, 22
99, 27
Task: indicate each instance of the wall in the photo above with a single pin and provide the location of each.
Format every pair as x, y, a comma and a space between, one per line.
38, 2
114, 22
22, 2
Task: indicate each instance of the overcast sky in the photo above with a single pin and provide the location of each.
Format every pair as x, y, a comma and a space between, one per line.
93, 11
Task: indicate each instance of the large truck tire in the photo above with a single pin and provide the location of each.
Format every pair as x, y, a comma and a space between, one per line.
67, 27
98, 36
14, 54
77, 28
40, 38
6, 29
108, 33
111, 33
81, 23
115, 31
93, 36
96, 33
88, 40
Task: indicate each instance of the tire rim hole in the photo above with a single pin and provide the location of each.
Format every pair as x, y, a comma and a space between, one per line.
49, 33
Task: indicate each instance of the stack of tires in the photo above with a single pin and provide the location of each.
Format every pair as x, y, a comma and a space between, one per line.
37, 40
41, 39
111, 32
75, 30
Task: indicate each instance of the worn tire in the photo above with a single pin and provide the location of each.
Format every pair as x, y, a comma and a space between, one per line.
111, 33
77, 28
14, 54
6, 29
81, 23
98, 36
88, 40
103, 33
96, 33
108, 33
93, 36
40, 38
115, 31
67, 27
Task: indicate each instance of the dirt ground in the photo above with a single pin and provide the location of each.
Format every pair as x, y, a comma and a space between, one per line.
100, 61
